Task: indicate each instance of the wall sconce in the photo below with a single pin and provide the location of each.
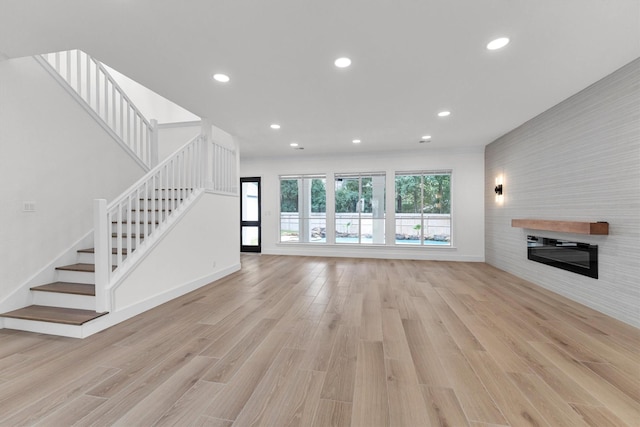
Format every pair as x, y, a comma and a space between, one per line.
498, 190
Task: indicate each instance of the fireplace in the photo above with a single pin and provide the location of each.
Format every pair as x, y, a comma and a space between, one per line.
580, 258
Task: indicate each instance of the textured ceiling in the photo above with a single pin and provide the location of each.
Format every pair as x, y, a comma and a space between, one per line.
411, 59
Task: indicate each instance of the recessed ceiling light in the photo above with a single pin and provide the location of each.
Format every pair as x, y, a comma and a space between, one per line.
342, 62
275, 126
222, 78
444, 113
293, 144
425, 137
498, 43
356, 141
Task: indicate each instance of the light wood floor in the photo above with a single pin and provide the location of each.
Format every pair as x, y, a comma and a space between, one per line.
293, 341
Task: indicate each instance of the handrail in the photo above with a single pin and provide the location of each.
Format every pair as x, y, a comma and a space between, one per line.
121, 91
146, 176
91, 81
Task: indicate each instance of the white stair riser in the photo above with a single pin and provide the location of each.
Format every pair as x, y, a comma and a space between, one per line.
54, 299
71, 331
76, 277
158, 204
86, 258
124, 242
158, 215
145, 228
89, 258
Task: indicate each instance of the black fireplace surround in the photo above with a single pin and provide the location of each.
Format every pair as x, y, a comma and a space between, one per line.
581, 258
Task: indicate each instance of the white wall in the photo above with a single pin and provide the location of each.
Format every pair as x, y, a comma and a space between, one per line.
578, 161
467, 199
204, 242
151, 104
54, 154
172, 137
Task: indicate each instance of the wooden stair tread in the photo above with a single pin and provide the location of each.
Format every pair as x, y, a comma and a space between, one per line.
67, 316
114, 251
85, 268
88, 268
67, 288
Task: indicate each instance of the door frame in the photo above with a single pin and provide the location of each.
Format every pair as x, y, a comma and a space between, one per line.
257, 223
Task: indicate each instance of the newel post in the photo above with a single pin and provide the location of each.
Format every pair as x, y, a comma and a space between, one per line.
153, 152
101, 236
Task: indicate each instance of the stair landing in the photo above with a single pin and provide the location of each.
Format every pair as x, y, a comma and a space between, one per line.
67, 316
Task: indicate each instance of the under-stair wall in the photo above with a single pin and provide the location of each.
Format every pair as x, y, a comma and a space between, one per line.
57, 158
201, 247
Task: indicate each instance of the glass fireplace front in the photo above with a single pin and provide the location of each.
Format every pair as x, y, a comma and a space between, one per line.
581, 258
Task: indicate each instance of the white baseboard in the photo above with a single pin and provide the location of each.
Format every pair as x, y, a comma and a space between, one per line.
125, 313
378, 252
38, 327
112, 319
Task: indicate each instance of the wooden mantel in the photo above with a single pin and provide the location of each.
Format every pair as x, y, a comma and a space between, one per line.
579, 227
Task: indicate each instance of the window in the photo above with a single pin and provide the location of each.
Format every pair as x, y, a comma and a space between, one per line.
423, 208
360, 208
303, 200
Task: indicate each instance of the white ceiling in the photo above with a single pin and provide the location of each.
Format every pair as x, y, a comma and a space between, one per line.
411, 59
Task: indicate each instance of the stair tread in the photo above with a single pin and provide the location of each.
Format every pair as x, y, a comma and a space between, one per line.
67, 316
89, 268
85, 268
114, 251
67, 288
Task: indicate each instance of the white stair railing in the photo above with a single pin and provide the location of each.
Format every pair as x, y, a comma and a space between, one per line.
223, 170
131, 221
91, 81
128, 226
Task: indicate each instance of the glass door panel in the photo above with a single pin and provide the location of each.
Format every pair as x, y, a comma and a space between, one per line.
250, 217
250, 236
250, 201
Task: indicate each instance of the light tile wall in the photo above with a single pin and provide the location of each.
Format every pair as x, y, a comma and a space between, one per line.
580, 160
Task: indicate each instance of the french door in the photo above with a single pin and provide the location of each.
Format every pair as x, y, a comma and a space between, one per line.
250, 216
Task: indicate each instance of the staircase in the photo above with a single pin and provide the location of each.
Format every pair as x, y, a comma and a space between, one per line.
79, 302
71, 299
83, 297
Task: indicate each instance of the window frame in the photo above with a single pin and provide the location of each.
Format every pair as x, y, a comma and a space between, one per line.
301, 218
359, 206
422, 214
